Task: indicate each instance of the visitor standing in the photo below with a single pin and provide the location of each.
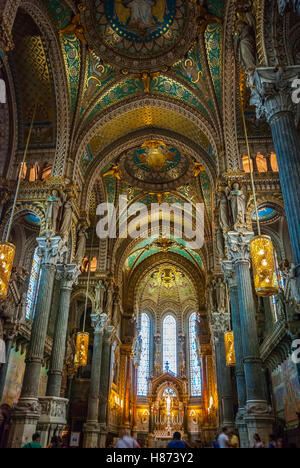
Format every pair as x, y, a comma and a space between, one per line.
258, 444
35, 442
223, 439
177, 443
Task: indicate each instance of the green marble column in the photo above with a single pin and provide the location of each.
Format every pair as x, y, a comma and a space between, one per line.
92, 428
105, 384
27, 411
239, 353
258, 414
67, 275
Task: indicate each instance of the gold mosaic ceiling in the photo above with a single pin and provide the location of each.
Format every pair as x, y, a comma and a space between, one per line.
143, 118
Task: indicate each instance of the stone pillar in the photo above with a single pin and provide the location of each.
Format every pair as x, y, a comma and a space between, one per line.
272, 96
92, 427
134, 396
27, 411
4, 367
127, 390
239, 369
219, 324
224, 383
258, 415
105, 384
67, 275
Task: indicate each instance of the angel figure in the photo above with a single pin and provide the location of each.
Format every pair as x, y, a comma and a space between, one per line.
198, 169
75, 28
114, 172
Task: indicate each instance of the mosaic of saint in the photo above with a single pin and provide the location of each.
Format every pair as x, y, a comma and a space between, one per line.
139, 30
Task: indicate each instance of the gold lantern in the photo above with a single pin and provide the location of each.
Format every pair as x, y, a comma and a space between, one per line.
229, 348
264, 270
82, 346
7, 255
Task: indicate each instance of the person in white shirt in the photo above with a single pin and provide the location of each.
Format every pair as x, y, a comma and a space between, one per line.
127, 441
223, 439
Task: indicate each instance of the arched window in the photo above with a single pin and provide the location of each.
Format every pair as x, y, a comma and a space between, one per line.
144, 367
170, 344
195, 369
33, 286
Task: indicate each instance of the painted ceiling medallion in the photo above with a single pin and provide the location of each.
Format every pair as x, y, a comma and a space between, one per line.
156, 167
139, 35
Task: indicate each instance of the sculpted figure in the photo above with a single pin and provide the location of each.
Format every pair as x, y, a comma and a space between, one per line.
99, 296
237, 200
66, 218
54, 204
221, 294
81, 245
222, 203
244, 42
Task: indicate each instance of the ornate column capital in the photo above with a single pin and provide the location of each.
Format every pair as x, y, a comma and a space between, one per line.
271, 91
50, 250
238, 244
229, 273
99, 322
67, 275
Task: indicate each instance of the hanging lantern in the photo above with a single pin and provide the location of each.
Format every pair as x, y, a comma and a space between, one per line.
264, 270
229, 348
82, 346
7, 255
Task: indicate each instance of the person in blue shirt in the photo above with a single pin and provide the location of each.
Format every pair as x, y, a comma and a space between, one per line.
177, 443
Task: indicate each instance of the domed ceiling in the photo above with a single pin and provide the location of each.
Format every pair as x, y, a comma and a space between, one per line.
139, 34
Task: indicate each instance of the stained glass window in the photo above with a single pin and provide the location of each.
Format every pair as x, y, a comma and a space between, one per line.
144, 367
170, 344
33, 286
195, 369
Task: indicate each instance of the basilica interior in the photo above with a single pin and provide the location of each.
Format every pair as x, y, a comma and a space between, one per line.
158, 103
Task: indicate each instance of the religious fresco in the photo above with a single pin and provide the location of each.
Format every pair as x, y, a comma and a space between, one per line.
286, 390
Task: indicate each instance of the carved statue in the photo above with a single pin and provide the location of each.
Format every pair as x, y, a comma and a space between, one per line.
220, 243
81, 245
237, 200
221, 294
211, 297
99, 297
245, 42
66, 218
222, 203
109, 301
54, 204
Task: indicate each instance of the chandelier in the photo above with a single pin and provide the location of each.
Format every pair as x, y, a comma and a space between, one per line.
229, 349
262, 250
8, 250
168, 276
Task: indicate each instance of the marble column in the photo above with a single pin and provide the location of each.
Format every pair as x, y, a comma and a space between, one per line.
224, 383
258, 415
238, 344
68, 276
4, 367
27, 411
105, 384
273, 98
92, 427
